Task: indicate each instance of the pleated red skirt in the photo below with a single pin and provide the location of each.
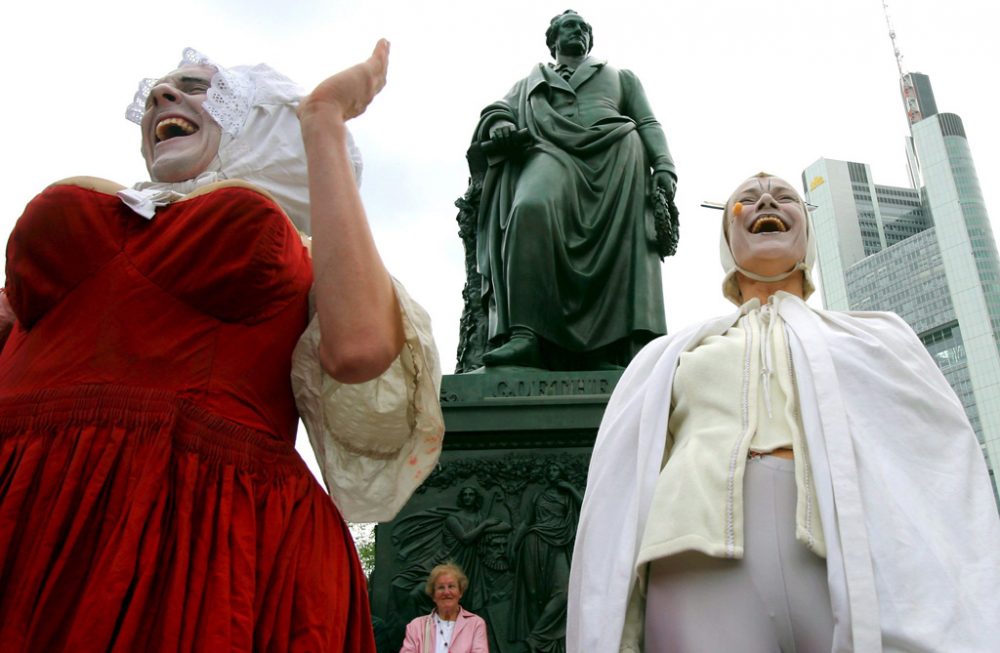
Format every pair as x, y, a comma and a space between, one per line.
151, 498
130, 521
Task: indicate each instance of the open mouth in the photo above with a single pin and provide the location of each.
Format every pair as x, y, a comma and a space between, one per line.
174, 127
768, 224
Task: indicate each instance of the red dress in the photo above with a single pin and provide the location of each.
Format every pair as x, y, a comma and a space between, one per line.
151, 498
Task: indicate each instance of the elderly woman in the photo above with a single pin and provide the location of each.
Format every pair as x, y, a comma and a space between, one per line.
784, 478
449, 628
167, 339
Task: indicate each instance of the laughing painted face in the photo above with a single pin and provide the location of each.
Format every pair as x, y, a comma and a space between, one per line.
767, 226
179, 138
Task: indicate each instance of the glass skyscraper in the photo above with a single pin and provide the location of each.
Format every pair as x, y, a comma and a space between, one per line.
925, 252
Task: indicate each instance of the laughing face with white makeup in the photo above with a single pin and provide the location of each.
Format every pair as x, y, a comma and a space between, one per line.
766, 228
179, 137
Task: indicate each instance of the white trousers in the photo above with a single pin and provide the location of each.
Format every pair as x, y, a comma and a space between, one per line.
775, 599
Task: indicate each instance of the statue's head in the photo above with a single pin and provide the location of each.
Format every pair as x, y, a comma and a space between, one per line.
569, 33
765, 235
554, 472
470, 497
493, 551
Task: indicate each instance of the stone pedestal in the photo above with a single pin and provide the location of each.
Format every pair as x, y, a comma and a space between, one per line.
503, 504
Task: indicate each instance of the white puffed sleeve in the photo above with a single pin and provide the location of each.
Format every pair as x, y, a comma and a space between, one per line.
376, 441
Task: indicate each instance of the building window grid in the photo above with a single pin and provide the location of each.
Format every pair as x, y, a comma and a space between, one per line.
913, 283
907, 281
857, 173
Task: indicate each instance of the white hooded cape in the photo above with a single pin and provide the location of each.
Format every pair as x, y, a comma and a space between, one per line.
910, 520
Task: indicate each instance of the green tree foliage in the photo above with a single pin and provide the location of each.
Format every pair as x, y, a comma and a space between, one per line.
364, 541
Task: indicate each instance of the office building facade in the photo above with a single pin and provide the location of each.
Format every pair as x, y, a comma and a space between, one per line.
926, 252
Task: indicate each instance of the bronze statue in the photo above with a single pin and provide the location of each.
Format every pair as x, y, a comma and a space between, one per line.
565, 172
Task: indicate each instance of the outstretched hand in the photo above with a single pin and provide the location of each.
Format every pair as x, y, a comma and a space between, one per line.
348, 93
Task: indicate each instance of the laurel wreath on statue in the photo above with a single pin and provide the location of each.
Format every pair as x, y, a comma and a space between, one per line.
665, 220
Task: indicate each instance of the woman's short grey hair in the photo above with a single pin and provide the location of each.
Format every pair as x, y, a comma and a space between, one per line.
447, 568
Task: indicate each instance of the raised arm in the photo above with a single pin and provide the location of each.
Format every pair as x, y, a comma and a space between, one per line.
360, 324
571, 490
469, 536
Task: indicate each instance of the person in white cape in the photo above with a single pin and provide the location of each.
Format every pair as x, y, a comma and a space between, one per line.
784, 478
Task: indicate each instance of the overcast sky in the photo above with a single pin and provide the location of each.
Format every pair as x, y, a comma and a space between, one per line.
738, 86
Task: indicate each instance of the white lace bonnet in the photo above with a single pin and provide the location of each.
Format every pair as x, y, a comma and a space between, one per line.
730, 285
261, 141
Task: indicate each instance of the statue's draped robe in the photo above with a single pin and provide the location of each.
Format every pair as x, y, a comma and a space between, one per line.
566, 243
543, 558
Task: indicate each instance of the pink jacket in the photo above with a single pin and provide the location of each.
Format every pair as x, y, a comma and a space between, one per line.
469, 635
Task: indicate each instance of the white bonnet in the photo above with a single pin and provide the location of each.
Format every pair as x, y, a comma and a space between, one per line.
261, 139
730, 285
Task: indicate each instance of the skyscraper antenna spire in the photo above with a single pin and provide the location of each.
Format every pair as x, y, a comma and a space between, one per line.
911, 103
892, 37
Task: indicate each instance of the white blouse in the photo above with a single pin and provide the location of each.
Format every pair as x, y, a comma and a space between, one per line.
733, 393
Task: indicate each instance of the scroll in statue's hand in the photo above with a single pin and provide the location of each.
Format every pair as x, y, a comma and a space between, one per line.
501, 131
506, 139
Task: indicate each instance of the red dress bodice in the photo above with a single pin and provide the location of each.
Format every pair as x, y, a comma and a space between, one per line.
207, 300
